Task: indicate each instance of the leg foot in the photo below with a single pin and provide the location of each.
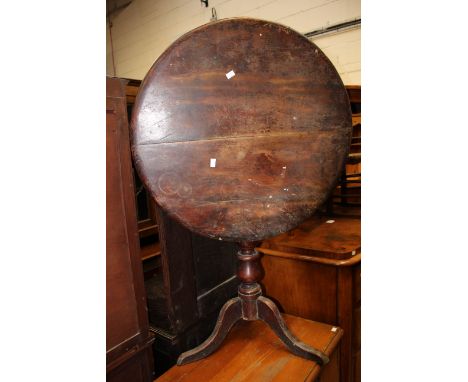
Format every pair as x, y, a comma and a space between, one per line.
229, 314
269, 313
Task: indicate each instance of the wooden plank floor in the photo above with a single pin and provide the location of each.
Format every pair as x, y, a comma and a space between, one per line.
252, 352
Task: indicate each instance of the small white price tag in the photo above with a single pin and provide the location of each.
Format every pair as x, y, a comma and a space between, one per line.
213, 162
230, 74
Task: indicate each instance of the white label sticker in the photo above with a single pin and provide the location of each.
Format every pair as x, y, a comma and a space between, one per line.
230, 74
334, 329
213, 162
330, 221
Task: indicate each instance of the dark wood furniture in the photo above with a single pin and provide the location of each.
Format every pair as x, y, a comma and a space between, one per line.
179, 257
319, 264
252, 352
346, 198
145, 206
240, 131
186, 295
128, 340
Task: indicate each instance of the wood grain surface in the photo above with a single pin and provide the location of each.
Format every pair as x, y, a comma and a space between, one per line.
338, 238
245, 157
320, 280
252, 352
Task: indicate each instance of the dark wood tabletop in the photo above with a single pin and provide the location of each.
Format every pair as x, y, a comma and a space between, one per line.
240, 129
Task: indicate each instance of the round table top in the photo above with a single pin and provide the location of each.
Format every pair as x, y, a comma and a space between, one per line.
241, 129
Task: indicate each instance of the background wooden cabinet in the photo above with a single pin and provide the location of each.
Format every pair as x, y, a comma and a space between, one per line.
319, 265
128, 339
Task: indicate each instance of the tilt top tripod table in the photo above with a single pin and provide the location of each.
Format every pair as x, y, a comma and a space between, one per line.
240, 131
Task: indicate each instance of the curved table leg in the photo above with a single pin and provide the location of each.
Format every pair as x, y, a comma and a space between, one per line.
229, 314
269, 313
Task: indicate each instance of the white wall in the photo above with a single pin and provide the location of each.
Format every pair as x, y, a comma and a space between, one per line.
109, 66
344, 50
143, 30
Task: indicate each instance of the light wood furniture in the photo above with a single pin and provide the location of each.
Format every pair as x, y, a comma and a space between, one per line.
128, 339
253, 353
319, 265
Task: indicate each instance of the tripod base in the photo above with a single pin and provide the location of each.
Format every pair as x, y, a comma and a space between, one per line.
267, 311
250, 305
